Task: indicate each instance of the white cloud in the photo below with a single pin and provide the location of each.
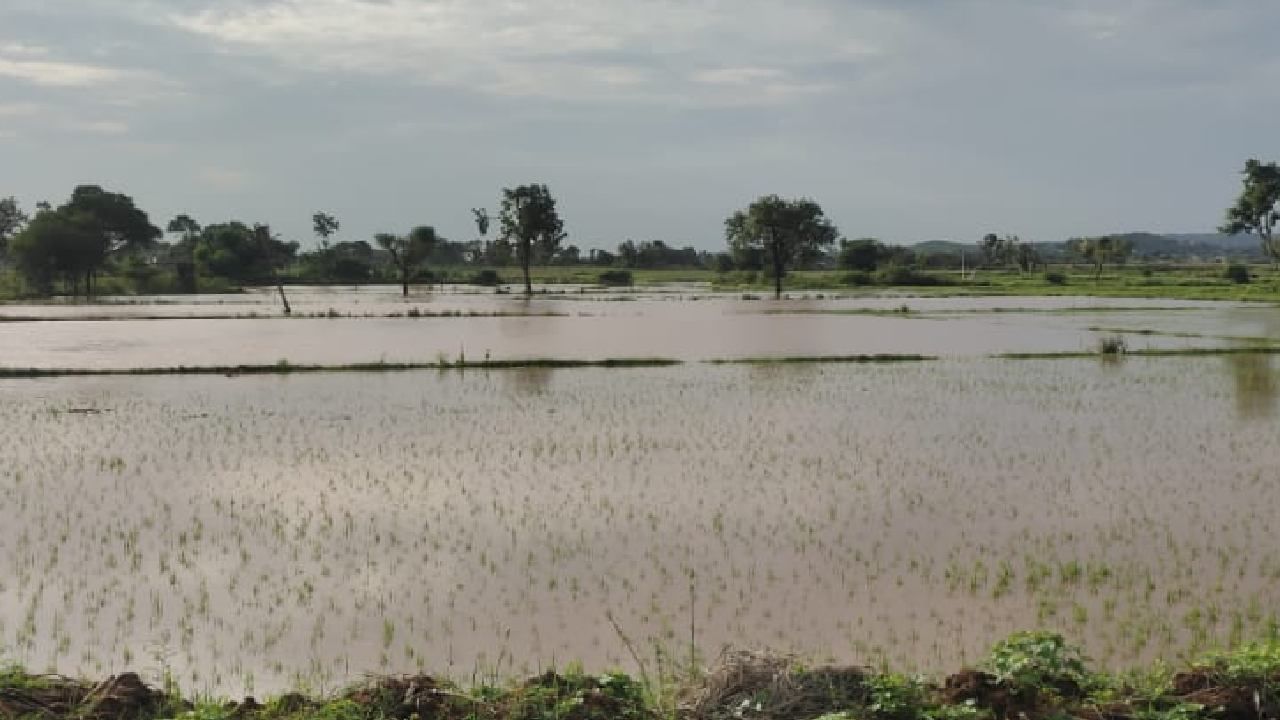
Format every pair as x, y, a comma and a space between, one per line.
604, 49
58, 74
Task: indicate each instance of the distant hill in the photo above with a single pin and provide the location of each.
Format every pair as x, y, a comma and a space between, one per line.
1164, 246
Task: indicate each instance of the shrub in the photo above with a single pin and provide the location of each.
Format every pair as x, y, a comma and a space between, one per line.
1033, 661
895, 697
1237, 273
1112, 345
902, 275
1055, 278
856, 279
486, 277
616, 278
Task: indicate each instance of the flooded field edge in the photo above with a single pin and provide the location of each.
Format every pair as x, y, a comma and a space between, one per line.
1030, 674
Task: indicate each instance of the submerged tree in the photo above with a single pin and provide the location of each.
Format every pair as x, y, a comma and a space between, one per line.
1255, 209
784, 232
532, 225
408, 252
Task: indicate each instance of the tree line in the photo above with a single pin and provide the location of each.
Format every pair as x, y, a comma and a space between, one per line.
69, 247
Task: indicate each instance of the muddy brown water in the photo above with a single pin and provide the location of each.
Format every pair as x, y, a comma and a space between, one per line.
681, 322
254, 534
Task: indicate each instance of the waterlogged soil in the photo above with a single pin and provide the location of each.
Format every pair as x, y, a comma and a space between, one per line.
252, 534
344, 326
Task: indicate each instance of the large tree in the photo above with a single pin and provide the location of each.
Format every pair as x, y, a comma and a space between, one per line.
56, 245
1255, 209
785, 232
408, 251
117, 226
532, 225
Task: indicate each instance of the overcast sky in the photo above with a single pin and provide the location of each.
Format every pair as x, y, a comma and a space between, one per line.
906, 119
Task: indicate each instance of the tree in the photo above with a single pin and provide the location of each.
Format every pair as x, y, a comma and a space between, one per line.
786, 232
863, 254
1100, 250
12, 220
1024, 255
408, 252
1255, 209
530, 223
481, 216
325, 225
55, 245
117, 224
241, 253
992, 247
271, 252
185, 266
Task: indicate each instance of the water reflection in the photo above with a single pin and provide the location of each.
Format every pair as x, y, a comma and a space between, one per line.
1256, 388
529, 380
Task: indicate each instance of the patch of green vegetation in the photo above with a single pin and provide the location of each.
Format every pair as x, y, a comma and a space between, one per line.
284, 367
1030, 674
1145, 352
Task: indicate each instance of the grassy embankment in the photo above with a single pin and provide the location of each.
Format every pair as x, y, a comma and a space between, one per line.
1029, 676
1198, 282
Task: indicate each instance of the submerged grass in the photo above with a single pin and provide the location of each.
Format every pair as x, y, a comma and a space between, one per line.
802, 359
1145, 352
285, 368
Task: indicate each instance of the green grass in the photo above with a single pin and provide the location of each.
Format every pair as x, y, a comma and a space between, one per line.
1194, 282
1030, 674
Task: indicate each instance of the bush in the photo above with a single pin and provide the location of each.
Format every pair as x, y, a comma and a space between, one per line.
901, 275
1055, 278
486, 277
856, 279
1034, 661
1237, 273
1112, 345
616, 278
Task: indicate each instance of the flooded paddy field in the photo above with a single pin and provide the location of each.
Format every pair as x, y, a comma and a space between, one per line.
333, 326
252, 534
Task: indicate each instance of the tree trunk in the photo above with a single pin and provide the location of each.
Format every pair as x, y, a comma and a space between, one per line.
524, 264
404, 282
283, 298
777, 264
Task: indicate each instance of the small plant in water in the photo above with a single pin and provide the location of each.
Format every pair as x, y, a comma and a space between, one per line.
1112, 345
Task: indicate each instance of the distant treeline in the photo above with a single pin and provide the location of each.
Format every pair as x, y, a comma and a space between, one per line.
98, 235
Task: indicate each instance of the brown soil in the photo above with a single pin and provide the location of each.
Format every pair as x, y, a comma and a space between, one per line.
118, 697
985, 691
1229, 702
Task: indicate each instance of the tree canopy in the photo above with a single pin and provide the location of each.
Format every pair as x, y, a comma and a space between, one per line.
1101, 250
408, 252
1255, 209
12, 220
532, 225
783, 232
